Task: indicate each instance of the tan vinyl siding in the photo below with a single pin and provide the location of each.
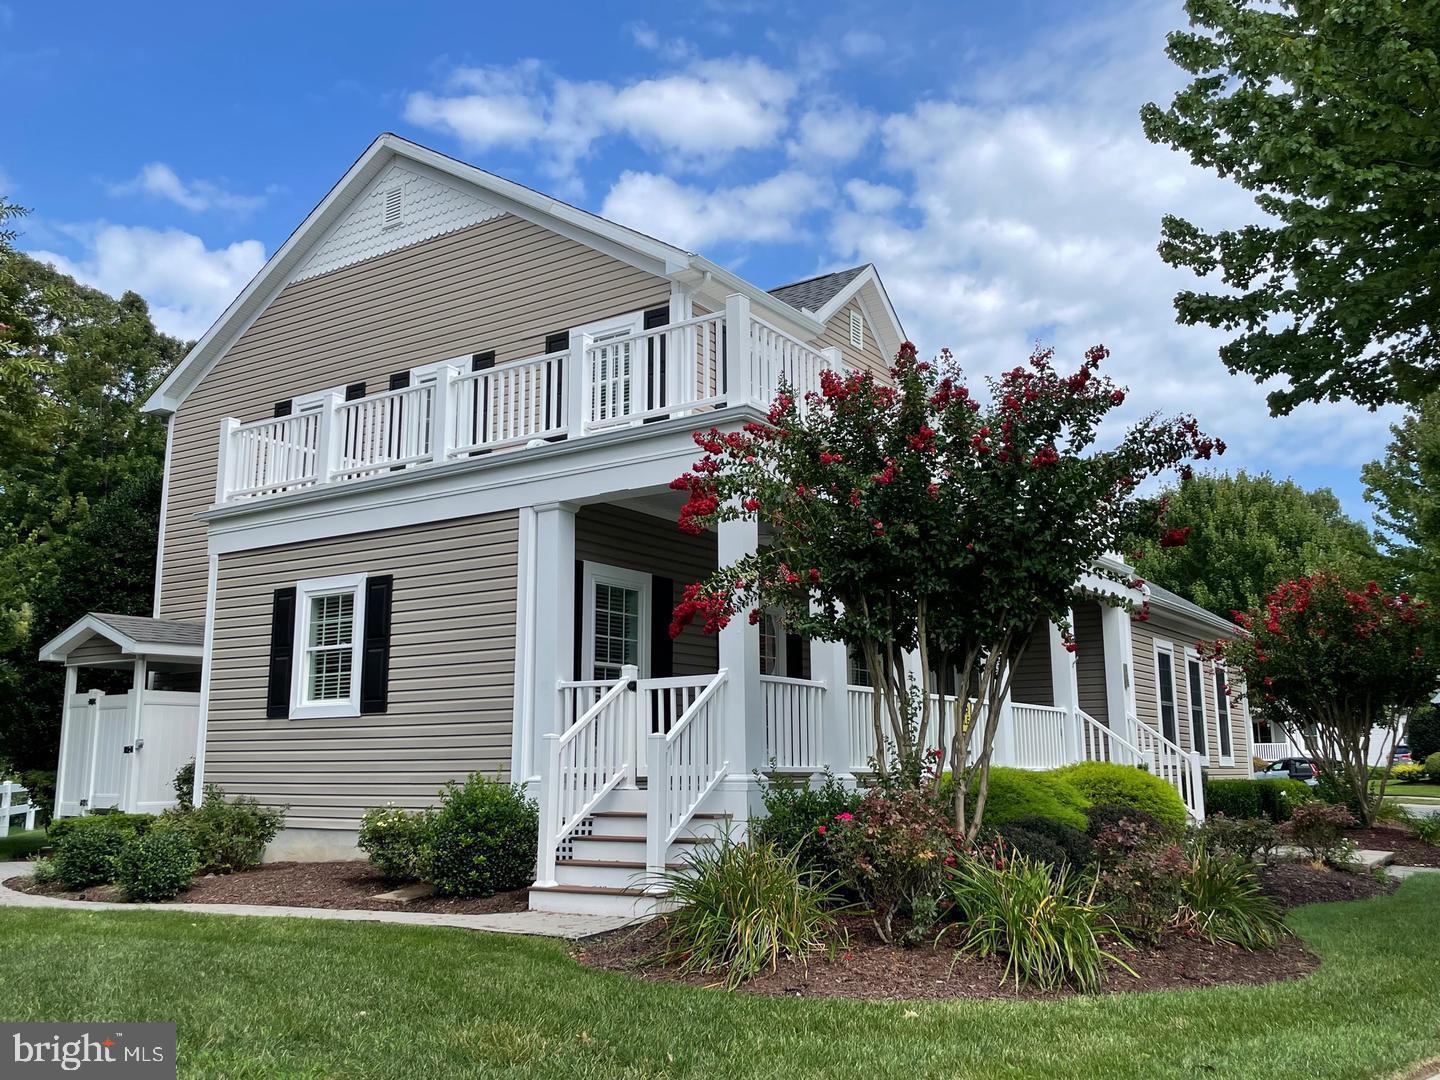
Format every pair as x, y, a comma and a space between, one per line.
1031, 684
837, 333
452, 663
95, 650
652, 545
503, 285
1090, 661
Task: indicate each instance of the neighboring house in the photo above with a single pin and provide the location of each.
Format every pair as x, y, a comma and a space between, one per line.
417, 523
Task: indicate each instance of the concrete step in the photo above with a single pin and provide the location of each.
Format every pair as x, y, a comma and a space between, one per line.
616, 873
625, 847
630, 902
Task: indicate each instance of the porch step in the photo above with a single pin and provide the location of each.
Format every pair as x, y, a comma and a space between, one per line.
631, 901
612, 873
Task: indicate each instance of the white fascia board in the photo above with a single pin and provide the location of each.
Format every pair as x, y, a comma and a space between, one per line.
884, 322
597, 468
715, 283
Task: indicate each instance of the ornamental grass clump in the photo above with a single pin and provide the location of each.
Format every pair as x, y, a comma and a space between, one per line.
740, 907
1041, 919
1222, 901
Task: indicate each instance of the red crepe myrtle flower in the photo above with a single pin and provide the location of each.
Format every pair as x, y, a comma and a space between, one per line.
1176, 537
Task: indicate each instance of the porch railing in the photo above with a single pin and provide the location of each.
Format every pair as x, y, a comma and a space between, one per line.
1177, 766
584, 763
685, 765
794, 712
726, 358
1038, 736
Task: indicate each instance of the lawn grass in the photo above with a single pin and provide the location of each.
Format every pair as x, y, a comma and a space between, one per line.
21, 844
1423, 790
295, 998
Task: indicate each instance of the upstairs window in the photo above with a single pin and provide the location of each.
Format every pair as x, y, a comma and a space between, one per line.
857, 329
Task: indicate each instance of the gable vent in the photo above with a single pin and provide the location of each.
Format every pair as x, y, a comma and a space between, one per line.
394, 207
857, 329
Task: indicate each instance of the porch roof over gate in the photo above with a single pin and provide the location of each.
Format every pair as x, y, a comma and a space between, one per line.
133, 635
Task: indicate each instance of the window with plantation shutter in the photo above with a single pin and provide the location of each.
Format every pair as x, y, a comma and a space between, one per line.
329, 620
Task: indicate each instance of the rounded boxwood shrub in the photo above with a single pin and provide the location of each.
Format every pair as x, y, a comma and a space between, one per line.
226, 834
483, 839
1027, 793
1047, 841
156, 866
1104, 782
1105, 816
1432, 766
395, 840
86, 856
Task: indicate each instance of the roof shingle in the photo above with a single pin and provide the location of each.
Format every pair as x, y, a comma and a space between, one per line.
814, 293
154, 631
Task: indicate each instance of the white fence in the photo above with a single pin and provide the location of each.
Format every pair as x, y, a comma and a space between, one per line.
122, 751
729, 357
9, 792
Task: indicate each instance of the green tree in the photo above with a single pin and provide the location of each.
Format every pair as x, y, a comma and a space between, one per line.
922, 517
79, 477
1405, 488
1330, 113
1243, 535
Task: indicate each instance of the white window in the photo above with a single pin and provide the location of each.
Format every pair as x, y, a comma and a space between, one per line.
394, 212
1195, 687
1222, 713
857, 329
1165, 690
617, 621
772, 645
329, 624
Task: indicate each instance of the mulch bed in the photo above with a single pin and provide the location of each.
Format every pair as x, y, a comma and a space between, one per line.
869, 969
1408, 849
1294, 883
294, 884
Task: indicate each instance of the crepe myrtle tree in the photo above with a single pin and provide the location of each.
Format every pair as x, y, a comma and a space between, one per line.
1334, 661
916, 516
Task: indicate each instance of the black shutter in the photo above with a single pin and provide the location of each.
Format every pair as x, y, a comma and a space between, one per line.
284, 408
557, 342
662, 649
282, 654
400, 380
656, 317
354, 390
484, 361
795, 665
375, 646
654, 390
581, 600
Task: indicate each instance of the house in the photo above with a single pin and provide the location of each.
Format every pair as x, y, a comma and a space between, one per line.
417, 523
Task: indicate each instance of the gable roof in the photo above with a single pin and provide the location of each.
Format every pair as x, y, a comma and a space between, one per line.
136, 635
814, 293
1166, 599
628, 245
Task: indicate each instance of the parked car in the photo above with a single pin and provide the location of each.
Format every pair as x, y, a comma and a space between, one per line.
1402, 753
1290, 768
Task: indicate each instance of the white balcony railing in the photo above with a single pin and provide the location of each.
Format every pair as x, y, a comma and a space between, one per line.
726, 358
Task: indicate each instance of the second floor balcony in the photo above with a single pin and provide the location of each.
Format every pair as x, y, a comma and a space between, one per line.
728, 358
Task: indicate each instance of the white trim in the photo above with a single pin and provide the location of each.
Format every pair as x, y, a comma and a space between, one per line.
884, 323
306, 592
522, 766
1218, 672
593, 574
164, 509
1168, 648
203, 719
1191, 656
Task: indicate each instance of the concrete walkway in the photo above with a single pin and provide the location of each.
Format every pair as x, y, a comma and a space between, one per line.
529, 923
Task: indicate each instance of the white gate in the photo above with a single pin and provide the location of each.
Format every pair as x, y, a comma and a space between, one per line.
117, 752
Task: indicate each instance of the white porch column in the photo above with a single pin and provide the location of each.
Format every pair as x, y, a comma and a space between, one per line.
1119, 682
743, 737
63, 769
1065, 690
740, 376
829, 663
577, 384
552, 643
130, 787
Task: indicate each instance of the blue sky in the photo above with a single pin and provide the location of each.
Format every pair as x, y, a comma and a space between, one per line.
987, 157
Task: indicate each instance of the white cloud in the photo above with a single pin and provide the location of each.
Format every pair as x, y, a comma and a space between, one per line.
186, 284
695, 218
858, 44
871, 198
698, 115
833, 131
161, 181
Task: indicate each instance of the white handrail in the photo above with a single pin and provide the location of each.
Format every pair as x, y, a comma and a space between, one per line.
1038, 736
270, 456
673, 368
583, 764
508, 405
685, 767
776, 355
793, 712
384, 431
1098, 742
1172, 763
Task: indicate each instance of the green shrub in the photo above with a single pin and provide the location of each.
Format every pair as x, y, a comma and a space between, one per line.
794, 811
86, 857
483, 840
1427, 828
156, 866
1043, 840
1432, 766
1103, 816
1103, 782
1319, 828
1422, 731
226, 834
39, 787
395, 840
1223, 902
1410, 772
130, 824
892, 853
1140, 874
740, 907
184, 784
43, 872
1027, 793
1274, 799
1245, 838
1037, 918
